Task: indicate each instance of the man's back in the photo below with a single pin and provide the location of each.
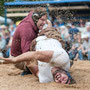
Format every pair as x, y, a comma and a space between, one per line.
24, 34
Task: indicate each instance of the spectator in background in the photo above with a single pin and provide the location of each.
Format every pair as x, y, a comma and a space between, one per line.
64, 33
8, 47
73, 53
3, 28
7, 36
80, 53
73, 30
2, 45
81, 23
55, 25
86, 43
78, 45
69, 23
60, 22
88, 29
12, 30
12, 24
86, 46
77, 40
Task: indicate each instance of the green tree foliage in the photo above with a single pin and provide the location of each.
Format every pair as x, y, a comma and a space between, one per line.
2, 6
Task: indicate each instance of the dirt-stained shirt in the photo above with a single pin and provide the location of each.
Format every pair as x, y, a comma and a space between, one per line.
60, 58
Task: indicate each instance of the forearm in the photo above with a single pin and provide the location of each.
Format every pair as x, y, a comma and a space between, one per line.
28, 56
44, 56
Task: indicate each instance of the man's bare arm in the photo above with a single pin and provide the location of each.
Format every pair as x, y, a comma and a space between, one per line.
44, 56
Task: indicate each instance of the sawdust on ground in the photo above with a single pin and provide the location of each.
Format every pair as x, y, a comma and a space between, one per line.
10, 79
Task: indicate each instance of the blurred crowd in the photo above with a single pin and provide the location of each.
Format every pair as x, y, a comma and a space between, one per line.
77, 37
75, 34
6, 35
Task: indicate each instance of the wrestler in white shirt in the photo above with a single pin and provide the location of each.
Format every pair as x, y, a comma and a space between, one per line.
59, 59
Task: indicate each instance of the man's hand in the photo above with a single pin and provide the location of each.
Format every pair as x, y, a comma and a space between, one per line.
6, 60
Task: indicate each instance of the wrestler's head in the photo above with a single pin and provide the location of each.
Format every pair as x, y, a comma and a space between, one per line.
41, 22
39, 17
62, 76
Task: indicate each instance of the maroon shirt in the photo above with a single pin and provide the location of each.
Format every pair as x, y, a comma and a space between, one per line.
24, 34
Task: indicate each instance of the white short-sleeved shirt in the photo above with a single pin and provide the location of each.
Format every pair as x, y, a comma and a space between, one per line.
60, 58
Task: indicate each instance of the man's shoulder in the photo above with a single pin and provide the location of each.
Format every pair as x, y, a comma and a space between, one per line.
24, 26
